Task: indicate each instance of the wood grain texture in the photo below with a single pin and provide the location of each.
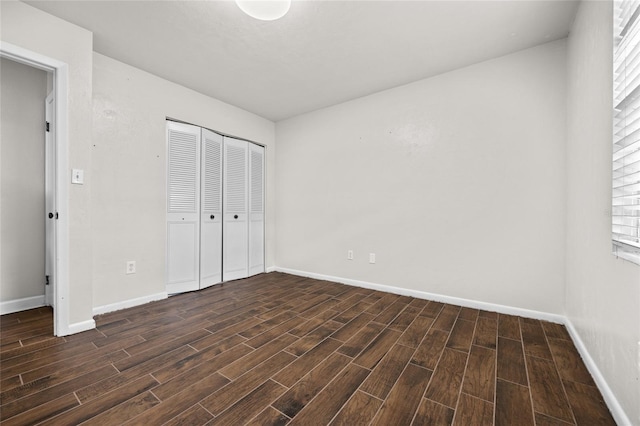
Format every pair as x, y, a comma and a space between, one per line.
307, 362
432, 309
480, 374
446, 318
276, 349
269, 417
218, 401
588, 405
486, 332
555, 331
331, 399
414, 334
357, 343
384, 376
195, 415
428, 353
509, 327
544, 420
304, 390
447, 378
373, 353
404, 399
511, 365
569, 363
547, 391
250, 405
359, 410
513, 405
461, 335
431, 413
534, 339
474, 411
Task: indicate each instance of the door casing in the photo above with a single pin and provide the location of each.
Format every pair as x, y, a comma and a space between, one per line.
60, 288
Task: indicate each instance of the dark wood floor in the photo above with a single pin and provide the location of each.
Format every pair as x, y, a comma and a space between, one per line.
280, 349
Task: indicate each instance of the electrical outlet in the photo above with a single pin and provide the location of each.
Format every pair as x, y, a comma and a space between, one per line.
131, 267
350, 255
372, 258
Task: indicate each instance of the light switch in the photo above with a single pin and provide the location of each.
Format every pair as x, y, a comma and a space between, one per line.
77, 176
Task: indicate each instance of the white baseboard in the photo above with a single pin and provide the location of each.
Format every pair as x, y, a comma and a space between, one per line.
130, 303
493, 307
618, 413
78, 327
612, 402
17, 305
271, 269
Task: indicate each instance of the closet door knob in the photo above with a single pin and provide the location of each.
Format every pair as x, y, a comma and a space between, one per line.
235, 216
212, 217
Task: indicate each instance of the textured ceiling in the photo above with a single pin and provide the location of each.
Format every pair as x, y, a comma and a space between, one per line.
321, 53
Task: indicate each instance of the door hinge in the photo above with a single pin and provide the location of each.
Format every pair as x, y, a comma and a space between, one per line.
46, 278
46, 126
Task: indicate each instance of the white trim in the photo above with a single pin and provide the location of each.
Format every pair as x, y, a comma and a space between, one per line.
79, 327
60, 70
612, 402
17, 305
271, 269
503, 309
98, 310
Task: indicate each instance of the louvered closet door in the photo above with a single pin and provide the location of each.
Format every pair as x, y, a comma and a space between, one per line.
235, 226
183, 218
211, 210
256, 209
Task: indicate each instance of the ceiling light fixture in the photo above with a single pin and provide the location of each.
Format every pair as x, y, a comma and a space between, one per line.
265, 10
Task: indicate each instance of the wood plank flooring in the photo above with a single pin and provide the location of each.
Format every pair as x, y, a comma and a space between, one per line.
279, 349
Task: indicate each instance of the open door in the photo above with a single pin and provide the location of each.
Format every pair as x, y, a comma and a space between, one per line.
51, 213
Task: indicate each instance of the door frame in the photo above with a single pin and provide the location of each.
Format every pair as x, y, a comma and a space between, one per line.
60, 72
50, 202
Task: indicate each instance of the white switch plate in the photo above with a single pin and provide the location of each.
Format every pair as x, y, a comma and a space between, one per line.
131, 267
350, 255
77, 176
372, 258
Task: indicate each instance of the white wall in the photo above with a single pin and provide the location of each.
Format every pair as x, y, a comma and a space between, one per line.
603, 293
455, 182
32, 29
23, 91
129, 172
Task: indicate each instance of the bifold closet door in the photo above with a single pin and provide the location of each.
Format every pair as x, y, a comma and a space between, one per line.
183, 214
235, 205
211, 209
256, 209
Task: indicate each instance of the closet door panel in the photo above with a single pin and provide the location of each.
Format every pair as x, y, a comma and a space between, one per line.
256, 209
183, 218
211, 210
235, 217
182, 256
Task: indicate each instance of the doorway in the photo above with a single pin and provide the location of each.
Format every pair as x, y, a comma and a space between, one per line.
53, 211
23, 189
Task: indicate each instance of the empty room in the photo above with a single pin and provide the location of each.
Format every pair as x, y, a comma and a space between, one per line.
320, 212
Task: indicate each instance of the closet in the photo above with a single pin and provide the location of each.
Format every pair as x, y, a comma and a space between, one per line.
215, 208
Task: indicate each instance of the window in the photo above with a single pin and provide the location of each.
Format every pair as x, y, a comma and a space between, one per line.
626, 131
